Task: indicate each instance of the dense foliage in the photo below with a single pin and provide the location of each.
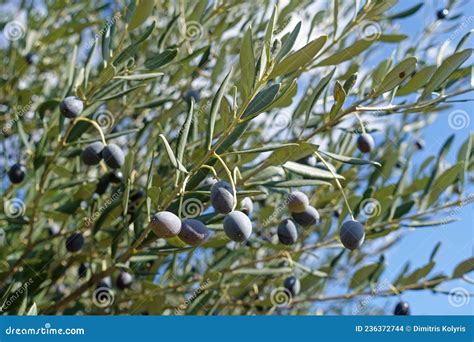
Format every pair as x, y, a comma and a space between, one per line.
113, 113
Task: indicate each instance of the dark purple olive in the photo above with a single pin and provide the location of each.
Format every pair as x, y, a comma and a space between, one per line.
113, 156
165, 224
74, 242
193, 232
237, 226
402, 309
287, 232
17, 173
352, 234
92, 154
222, 197
292, 284
365, 143
307, 218
124, 280
442, 13
71, 107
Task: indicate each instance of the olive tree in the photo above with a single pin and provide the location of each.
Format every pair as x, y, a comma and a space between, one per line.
224, 157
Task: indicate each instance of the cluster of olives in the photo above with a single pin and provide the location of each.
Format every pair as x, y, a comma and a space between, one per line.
237, 225
71, 107
166, 225
301, 212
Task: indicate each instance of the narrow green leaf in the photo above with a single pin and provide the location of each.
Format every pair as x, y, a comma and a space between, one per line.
261, 149
362, 275
247, 63
140, 77
418, 274
294, 183
286, 96
316, 93
449, 65
141, 13
261, 101
397, 75
290, 153
299, 58
446, 179
169, 151
309, 171
347, 53
216, 103
161, 59
418, 81
349, 160
339, 98
464, 267
392, 38
419, 224
184, 132
263, 271
406, 13
289, 42
121, 93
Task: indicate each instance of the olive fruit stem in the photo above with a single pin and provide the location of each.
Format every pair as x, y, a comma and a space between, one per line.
231, 179
337, 183
205, 166
361, 123
181, 194
93, 123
